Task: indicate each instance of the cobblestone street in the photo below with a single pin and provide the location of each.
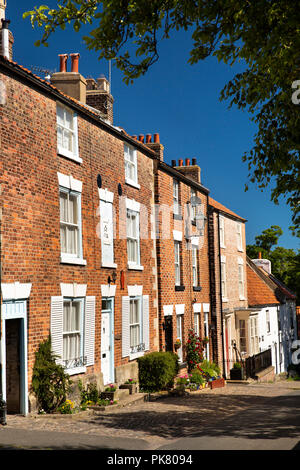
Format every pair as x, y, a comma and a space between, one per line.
160, 422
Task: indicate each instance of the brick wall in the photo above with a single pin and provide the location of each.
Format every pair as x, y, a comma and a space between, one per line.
31, 214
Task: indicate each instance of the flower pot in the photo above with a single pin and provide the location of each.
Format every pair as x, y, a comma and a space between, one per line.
133, 388
217, 383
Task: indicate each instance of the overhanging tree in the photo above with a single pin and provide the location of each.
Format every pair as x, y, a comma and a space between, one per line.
265, 35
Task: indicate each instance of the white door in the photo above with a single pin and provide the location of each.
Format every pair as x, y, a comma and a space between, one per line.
107, 360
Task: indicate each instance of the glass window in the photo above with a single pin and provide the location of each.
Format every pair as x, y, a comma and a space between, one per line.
254, 335
223, 279
241, 281
179, 336
135, 324
66, 131
195, 265
177, 263
193, 204
268, 324
175, 196
133, 244
242, 329
130, 164
239, 236
69, 222
72, 338
222, 231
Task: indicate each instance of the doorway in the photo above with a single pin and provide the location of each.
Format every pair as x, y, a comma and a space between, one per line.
14, 357
107, 342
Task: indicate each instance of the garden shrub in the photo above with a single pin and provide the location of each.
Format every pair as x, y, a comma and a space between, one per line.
194, 350
50, 383
209, 369
157, 371
196, 377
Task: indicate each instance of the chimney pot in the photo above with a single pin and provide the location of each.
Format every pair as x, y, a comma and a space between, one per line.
187, 162
63, 62
180, 162
75, 61
148, 138
141, 138
259, 255
173, 162
156, 138
194, 161
134, 137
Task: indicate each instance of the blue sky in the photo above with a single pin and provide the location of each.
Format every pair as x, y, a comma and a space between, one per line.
181, 103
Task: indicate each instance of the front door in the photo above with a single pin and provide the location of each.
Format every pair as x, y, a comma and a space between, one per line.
14, 356
107, 344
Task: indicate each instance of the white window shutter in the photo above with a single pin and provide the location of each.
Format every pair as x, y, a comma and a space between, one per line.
146, 322
89, 330
125, 327
56, 327
107, 244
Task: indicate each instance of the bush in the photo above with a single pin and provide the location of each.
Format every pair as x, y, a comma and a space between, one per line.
196, 377
50, 383
89, 394
157, 371
209, 369
237, 365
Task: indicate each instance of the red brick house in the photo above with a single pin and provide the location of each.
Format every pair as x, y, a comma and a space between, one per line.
182, 254
76, 191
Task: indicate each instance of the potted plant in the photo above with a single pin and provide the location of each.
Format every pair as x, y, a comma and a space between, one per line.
237, 372
177, 344
131, 385
109, 392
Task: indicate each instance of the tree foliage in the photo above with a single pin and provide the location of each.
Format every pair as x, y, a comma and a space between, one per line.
263, 34
285, 263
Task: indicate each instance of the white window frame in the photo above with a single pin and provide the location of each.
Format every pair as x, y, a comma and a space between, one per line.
222, 231
195, 265
80, 332
193, 205
223, 279
74, 153
138, 300
176, 206
131, 164
244, 323
239, 233
254, 339
177, 263
268, 322
241, 279
197, 316
133, 264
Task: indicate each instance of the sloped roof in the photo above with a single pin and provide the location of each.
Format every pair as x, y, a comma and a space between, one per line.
259, 293
217, 205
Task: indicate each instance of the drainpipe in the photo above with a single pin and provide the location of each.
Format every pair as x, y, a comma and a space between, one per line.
221, 307
2, 402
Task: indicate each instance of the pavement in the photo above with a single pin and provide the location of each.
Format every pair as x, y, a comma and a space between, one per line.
236, 417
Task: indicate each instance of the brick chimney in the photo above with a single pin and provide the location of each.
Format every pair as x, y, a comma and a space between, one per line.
155, 145
192, 171
98, 97
6, 36
71, 83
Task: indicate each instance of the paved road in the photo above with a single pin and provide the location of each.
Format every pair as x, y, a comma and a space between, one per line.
265, 416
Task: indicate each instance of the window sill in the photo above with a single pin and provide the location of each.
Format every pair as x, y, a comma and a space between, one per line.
109, 265
70, 260
177, 217
135, 267
132, 183
224, 299
242, 298
65, 153
197, 288
132, 357
75, 370
241, 250
179, 288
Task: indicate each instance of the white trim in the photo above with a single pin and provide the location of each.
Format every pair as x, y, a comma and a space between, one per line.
108, 290
133, 205
15, 291
223, 259
179, 309
195, 241
197, 308
132, 265
177, 235
132, 183
206, 308
168, 310
67, 181
108, 265
68, 259
135, 291
105, 195
240, 260
73, 290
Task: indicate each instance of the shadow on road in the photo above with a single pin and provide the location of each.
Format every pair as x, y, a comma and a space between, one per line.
243, 416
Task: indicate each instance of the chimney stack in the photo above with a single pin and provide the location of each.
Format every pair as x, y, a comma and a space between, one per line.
155, 145
71, 83
6, 36
98, 96
192, 171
